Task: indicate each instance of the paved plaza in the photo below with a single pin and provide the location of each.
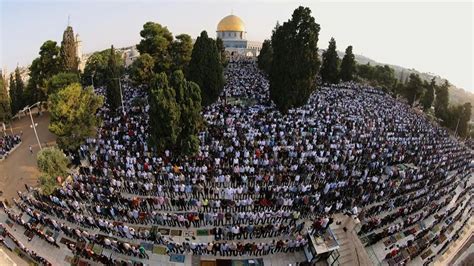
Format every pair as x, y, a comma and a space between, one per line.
19, 168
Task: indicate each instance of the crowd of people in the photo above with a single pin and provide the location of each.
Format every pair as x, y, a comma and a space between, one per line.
259, 174
32, 254
7, 143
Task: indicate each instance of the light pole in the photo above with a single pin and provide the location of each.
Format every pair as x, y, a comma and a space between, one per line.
33, 125
121, 96
456, 131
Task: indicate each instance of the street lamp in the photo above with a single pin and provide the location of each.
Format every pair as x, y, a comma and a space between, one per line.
33, 124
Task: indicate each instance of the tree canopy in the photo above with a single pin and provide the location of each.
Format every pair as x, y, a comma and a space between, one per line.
60, 81
428, 96
175, 114
441, 103
113, 75
413, 89
53, 165
348, 65
5, 109
69, 59
95, 70
330, 66
141, 70
43, 68
73, 116
17, 92
265, 57
295, 60
206, 69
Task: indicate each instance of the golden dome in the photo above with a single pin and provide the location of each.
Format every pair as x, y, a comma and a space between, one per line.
231, 23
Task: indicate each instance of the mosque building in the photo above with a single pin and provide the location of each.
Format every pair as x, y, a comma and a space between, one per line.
231, 29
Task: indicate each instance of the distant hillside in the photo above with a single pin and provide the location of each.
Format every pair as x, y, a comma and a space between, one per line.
456, 95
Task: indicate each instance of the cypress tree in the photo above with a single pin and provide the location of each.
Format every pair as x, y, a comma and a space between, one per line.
113, 83
164, 114
205, 68
348, 65
442, 100
265, 57
329, 68
413, 89
428, 96
5, 109
70, 62
295, 60
17, 92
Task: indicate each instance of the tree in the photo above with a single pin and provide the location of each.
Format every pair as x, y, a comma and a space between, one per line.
413, 89
442, 101
188, 97
95, 70
428, 96
330, 66
42, 69
68, 51
5, 109
113, 83
60, 81
464, 118
53, 165
17, 92
73, 115
221, 49
164, 114
348, 65
265, 57
175, 114
156, 40
141, 70
180, 52
206, 69
295, 60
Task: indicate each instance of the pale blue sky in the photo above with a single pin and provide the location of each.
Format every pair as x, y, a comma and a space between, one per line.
430, 36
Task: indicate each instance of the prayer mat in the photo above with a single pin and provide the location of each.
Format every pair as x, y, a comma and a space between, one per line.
205, 263
202, 232
29, 233
442, 238
398, 258
175, 232
164, 231
9, 223
147, 246
189, 233
426, 254
66, 241
177, 258
388, 242
224, 262
97, 249
399, 236
405, 253
412, 250
161, 250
